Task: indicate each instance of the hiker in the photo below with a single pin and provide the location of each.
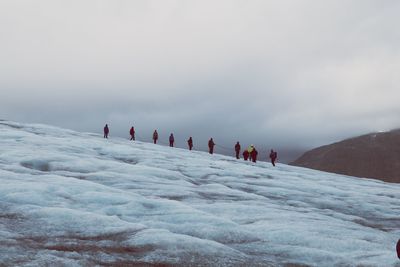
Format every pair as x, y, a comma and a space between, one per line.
254, 154
155, 136
211, 145
106, 131
245, 155
237, 149
250, 149
273, 155
190, 143
132, 133
171, 140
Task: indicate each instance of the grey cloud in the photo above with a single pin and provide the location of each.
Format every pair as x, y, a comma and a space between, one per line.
288, 74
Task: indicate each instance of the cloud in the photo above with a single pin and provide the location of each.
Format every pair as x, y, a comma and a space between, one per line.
283, 74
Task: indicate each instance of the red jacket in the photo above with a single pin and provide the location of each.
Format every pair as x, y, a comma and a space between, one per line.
254, 154
237, 147
132, 131
246, 154
211, 143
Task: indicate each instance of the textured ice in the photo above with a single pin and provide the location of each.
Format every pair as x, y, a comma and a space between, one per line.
75, 199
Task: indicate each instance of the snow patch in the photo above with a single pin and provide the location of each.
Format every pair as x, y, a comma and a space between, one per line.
75, 199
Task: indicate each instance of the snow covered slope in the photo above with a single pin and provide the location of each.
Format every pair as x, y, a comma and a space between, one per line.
74, 199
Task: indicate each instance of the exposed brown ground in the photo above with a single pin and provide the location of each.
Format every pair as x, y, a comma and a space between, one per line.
371, 156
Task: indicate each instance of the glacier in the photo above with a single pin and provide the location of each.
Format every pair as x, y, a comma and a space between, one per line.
76, 199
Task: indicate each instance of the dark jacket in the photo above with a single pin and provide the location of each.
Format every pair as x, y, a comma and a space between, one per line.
245, 154
211, 143
237, 147
253, 155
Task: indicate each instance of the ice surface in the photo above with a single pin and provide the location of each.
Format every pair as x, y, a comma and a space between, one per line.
76, 199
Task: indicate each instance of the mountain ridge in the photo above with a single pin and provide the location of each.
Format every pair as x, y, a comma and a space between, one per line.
374, 155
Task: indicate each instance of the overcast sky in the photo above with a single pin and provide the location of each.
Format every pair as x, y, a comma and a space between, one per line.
283, 74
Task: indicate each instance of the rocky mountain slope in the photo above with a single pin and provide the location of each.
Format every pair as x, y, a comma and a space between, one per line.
374, 155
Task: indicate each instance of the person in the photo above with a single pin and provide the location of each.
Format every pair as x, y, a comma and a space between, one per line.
245, 155
171, 140
398, 249
155, 136
273, 155
132, 133
190, 143
211, 145
106, 131
237, 149
250, 149
254, 154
